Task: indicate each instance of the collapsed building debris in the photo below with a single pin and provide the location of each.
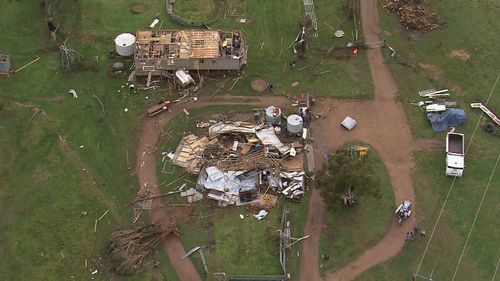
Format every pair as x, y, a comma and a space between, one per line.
229, 188
413, 14
290, 184
240, 162
188, 153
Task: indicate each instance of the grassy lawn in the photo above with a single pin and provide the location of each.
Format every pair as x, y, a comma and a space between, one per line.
469, 80
240, 247
472, 81
482, 252
275, 26
197, 10
46, 183
348, 232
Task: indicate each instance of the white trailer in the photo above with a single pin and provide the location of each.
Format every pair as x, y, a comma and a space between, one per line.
455, 154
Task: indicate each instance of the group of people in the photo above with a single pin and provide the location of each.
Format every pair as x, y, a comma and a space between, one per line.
412, 234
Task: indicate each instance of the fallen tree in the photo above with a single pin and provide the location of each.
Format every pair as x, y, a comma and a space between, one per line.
127, 249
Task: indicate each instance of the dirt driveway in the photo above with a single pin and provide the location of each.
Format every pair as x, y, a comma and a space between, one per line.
383, 124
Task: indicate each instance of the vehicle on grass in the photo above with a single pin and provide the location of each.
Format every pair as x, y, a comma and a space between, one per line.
455, 154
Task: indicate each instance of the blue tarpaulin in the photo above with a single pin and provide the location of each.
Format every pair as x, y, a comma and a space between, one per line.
442, 121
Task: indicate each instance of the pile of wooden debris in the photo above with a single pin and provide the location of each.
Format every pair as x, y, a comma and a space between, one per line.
127, 249
413, 15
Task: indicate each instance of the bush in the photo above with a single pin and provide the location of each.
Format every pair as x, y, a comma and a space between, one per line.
345, 177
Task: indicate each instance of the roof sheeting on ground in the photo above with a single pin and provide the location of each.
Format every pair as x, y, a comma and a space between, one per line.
268, 137
232, 127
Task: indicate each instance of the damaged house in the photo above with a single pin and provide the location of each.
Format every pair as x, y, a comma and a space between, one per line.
162, 52
239, 163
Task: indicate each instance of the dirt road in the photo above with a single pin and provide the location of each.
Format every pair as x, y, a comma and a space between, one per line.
383, 124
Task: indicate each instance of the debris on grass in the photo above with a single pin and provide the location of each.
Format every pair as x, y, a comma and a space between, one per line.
413, 14
127, 249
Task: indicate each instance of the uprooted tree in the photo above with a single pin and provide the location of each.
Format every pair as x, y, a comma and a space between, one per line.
346, 177
127, 249
300, 44
69, 59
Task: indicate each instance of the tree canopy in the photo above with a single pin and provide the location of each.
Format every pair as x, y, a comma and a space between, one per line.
345, 177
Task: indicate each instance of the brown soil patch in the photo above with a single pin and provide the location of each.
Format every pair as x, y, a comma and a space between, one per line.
259, 84
436, 74
461, 54
139, 8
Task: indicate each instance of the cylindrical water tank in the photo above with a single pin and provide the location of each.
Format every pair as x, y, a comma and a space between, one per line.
273, 115
4, 63
125, 44
294, 124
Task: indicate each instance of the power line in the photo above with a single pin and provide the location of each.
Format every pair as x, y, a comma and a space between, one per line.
475, 218
496, 270
453, 182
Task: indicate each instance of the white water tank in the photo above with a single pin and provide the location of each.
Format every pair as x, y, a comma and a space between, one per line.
125, 44
273, 115
294, 124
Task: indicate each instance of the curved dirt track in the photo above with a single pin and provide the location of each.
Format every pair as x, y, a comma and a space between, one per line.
384, 125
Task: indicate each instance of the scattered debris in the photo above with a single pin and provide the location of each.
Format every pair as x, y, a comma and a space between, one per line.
487, 111
192, 195
190, 252
261, 215
70, 59
349, 123
159, 108
26, 65
127, 249
73, 93
307, 29
184, 77
413, 14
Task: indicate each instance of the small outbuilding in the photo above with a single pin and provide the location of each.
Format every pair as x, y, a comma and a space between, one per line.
5, 64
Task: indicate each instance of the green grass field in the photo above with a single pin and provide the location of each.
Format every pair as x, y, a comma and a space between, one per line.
349, 231
274, 26
472, 81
